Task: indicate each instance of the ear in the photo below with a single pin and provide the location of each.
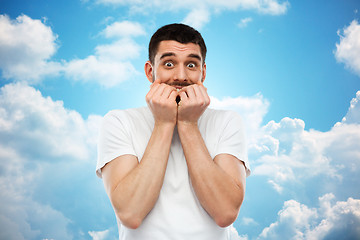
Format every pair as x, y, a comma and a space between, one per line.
203, 73
149, 71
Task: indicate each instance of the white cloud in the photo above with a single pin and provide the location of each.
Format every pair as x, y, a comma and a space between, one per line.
348, 50
121, 50
100, 235
353, 114
200, 11
20, 216
293, 220
197, 18
244, 22
330, 221
276, 186
287, 153
339, 220
110, 65
26, 46
31, 123
234, 235
123, 29
248, 221
273, 7
95, 69
23, 218
290, 156
41, 143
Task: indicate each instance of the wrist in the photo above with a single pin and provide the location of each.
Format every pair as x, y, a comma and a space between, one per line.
165, 124
186, 126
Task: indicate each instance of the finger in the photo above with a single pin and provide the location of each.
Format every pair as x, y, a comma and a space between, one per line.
184, 98
156, 90
190, 92
197, 91
156, 82
151, 92
200, 98
160, 90
203, 90
183, 95
168, 90
153, 88
173, 95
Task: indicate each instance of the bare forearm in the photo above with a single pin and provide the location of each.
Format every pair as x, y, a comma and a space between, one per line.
216, 190
136, 194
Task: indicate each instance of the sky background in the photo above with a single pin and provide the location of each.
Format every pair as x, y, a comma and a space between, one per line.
290, 68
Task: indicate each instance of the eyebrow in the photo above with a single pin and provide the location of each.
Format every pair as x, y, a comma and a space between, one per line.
197, 56
169, 54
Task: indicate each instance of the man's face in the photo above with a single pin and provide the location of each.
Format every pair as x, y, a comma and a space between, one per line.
177, 64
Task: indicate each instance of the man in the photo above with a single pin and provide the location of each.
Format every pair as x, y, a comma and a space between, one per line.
174, 169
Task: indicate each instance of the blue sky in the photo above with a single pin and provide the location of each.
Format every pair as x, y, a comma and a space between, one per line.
290, 68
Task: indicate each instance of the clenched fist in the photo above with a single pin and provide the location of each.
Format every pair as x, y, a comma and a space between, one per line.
194, 101
161, 100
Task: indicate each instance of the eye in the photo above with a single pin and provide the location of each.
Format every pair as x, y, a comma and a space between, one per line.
191, 65
169, 64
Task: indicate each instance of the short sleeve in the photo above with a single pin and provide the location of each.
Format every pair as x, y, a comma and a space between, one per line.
114, 139
232, 139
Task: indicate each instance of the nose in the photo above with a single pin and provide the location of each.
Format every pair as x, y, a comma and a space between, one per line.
180, 74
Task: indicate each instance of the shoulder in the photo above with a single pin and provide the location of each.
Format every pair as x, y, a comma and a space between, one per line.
128, 119
219, 121
221, 115
127, 114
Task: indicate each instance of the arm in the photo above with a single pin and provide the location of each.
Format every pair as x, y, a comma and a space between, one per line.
220, 183
133, 187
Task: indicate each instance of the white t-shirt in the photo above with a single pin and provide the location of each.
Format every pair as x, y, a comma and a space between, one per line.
177, 213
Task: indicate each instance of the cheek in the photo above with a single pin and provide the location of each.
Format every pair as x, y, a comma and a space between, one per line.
196, 76
163, 76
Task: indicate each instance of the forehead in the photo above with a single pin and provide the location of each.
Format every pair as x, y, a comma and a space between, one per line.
177, 49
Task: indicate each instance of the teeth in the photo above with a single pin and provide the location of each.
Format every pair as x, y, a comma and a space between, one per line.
177, 89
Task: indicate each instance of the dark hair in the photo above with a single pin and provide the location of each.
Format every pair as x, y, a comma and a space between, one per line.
178, 32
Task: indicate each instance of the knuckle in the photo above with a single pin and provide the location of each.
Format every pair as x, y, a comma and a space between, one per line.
155, 100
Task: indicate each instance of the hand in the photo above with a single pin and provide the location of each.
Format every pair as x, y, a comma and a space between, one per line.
194, 101
161, 101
